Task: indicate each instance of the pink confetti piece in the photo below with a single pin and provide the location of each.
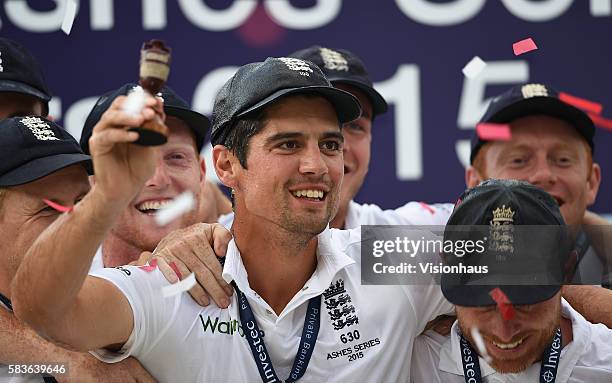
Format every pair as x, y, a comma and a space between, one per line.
58, 207
176, 270
601, 121
581, 103
493, 132
150, 267
524, 46
427, 207
503, 303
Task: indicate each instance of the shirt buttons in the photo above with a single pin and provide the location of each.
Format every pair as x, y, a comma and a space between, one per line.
269, 312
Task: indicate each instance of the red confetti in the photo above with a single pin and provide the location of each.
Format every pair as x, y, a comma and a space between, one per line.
503, 303
524, 46
581, 103
150, 267
176, 270
600, 121
58, 207
493, 132
427, 207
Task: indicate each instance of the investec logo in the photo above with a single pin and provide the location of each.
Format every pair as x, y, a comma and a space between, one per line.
229, 327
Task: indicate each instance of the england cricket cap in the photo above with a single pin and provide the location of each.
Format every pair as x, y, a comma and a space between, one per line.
20, 72
526, 245
257, 85
344, 67
174, 105
533, 99
33, 147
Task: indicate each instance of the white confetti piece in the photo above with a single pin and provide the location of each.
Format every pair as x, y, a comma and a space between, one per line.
135, 101
474, 67
179, 206
71, 8
480, 344
179, 287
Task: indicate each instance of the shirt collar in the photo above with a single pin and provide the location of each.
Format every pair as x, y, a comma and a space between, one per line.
330, 260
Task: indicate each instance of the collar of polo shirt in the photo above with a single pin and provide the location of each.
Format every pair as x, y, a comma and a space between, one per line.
330, 260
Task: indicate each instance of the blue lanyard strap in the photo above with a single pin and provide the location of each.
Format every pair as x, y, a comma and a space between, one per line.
258, 348
548, 369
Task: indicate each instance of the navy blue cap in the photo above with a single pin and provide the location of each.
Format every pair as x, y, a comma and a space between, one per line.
21, 73
526, 244
344, 67
532, 99
174, 105
33, 147
257, 85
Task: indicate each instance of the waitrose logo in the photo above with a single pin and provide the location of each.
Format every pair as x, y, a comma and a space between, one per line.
229, 327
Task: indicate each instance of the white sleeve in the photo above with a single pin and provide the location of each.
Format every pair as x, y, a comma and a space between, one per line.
152, 312
426, 357
420, 213
412, 213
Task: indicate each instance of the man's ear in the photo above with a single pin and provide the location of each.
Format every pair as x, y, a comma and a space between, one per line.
593, 183
472, 177
225, 165
202, 171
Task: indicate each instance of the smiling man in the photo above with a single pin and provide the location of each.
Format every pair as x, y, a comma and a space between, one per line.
513, 325
551, 147
179, 169
299, 309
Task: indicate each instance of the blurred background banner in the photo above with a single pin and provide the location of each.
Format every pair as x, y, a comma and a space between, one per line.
414, 50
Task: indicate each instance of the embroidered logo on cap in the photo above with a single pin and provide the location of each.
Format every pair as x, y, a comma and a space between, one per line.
297, 65
39, 128
534, 90
502, 231
333, 60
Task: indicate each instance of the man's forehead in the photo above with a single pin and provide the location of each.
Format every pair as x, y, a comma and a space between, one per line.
72, 180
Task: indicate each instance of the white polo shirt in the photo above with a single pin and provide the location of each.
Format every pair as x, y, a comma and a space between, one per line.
586, 359
366, 333
412, 213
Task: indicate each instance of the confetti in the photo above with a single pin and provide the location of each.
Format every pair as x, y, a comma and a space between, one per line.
58, 207
427, 207
474, 67
601, 121
581, 103
179, 206
493, 132
524, 46
480, 344
152, 265
503, 303
135, 101
179, 287
71, 8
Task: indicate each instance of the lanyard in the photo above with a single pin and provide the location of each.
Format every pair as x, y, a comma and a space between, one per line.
258, 347
7, 303
548, 370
